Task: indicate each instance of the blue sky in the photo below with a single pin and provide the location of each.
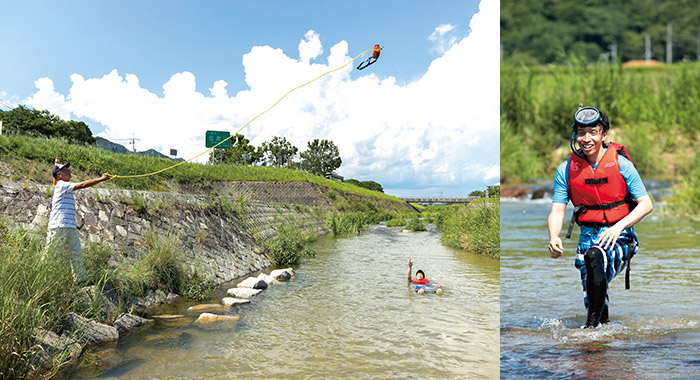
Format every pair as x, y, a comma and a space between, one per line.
178, 68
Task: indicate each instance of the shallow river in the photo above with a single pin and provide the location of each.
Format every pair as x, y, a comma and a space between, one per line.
347, 313
654, 330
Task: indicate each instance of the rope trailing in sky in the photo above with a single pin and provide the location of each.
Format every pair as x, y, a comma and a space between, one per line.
244, 125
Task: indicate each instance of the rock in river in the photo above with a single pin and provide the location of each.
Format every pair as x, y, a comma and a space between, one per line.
89, 332
243, 292
282, 274
208, 307
208, 317
253, 283
230, 301
127, 323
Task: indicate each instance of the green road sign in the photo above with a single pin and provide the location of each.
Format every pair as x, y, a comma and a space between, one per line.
215, 137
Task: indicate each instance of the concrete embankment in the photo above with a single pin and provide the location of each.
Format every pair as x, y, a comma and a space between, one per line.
221, 234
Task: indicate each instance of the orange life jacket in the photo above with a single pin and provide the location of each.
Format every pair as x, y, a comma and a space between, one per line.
600, 195
423, 281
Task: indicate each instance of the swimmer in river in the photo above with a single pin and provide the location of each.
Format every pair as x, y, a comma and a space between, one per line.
421, 282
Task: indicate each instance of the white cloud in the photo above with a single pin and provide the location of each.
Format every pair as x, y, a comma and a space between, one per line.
437, 133
47, 98
310, 47
443, 38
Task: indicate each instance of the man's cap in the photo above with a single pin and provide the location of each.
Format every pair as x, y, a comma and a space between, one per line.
57, 168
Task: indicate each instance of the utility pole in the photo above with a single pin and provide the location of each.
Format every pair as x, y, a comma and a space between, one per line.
613, 52
647, 49
669, 44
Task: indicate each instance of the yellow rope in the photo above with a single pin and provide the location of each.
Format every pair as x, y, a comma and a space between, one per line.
244, 125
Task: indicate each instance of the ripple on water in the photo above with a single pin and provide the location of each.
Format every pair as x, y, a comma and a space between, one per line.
347, 312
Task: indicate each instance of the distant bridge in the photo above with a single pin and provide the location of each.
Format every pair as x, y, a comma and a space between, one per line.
440, 200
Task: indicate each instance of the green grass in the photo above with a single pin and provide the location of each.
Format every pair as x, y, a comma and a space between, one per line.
162, 265
35, 293
354, 222
470, 228
89, 162
396, 222
415, 225
652, 111
290, 245
686, 198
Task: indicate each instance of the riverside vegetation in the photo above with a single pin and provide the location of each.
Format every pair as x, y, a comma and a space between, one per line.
38, 294
652, 112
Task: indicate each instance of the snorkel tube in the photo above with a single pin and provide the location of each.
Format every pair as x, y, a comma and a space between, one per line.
577, 152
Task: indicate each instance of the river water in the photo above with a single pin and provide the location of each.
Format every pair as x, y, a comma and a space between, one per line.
654, 330
347, 313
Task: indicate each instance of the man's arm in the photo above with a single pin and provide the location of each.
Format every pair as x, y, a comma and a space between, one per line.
410, 266
609, 237
554, 223
92, 182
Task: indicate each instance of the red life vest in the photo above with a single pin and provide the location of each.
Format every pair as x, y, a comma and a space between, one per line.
603, 192
423, 281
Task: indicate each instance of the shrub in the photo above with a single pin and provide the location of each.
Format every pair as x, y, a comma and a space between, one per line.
415, 225
289, 246
396, 222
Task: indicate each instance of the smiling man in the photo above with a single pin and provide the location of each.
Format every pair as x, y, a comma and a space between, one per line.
609, 198
63, 233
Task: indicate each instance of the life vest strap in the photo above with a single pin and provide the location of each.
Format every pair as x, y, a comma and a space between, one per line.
582, 209
604, 206
595, 181
630, 254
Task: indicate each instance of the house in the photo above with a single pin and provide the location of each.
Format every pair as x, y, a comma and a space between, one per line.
334, 176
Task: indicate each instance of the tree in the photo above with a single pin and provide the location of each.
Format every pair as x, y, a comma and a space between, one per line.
278, 151
240, 153
494, 191
370, 185
41, 123
321, 157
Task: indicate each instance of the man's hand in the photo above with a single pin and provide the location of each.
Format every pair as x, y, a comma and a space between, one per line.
410, 263
556, 247
608, 237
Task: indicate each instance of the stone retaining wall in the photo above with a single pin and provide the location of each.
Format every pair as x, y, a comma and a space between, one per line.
220, 235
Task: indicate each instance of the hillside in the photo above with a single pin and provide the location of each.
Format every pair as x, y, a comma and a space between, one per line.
113, 147
27, 159
554, 31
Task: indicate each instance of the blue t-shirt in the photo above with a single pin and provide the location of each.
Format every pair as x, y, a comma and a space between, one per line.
635, 186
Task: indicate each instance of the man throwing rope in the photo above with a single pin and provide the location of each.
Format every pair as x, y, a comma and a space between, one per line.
63, 232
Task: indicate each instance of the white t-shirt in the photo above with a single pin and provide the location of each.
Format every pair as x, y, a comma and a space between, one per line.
62, 206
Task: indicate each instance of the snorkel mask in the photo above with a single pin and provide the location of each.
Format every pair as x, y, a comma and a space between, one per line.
587, 117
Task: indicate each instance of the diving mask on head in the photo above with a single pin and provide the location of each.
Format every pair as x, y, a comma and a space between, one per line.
584, 117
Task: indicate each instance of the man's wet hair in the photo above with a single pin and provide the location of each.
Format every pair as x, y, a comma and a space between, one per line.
421, 272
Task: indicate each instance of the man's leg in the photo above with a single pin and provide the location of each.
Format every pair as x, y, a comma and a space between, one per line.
596, 285
75, 254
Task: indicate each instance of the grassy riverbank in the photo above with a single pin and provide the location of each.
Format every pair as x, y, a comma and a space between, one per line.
474, 228
31, 158
652, 111
38, 292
